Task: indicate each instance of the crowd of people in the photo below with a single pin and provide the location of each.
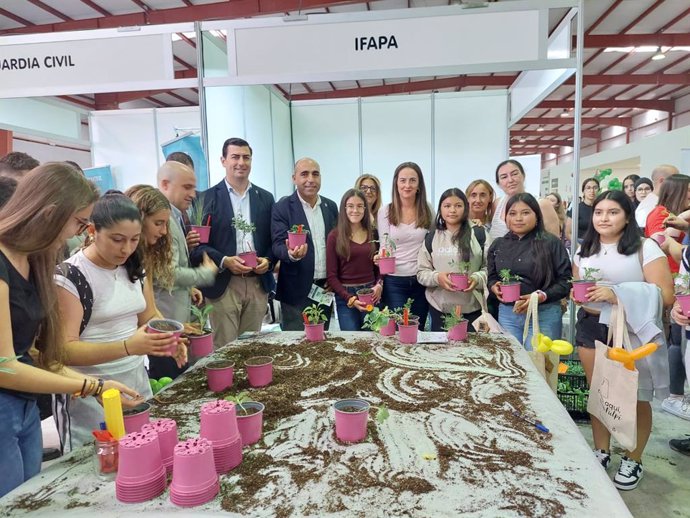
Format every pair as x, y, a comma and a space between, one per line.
81, 275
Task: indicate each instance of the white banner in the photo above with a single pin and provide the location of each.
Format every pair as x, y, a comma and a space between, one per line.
324, 48
84, 65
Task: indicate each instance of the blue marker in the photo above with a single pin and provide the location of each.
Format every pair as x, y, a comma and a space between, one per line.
534, 423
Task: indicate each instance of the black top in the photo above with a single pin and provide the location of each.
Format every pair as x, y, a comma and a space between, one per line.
584, 218
26, 313
516, 254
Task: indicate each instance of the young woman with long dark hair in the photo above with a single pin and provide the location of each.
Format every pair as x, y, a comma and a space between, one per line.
349, 260
51, 204
590, 190
539, 259
612, 245
629, 188
406, 220
452, 243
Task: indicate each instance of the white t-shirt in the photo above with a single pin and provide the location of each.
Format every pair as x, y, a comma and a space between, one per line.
116, 303
644, 208
616, 268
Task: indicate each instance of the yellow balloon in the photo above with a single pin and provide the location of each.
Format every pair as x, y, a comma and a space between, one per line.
562, 347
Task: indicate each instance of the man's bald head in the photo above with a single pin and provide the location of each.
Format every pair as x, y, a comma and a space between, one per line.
178, 183
661, 172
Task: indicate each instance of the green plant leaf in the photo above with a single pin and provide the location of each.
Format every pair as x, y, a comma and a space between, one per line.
382, 413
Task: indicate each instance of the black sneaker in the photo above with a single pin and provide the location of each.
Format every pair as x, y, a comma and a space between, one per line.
680, 445
603, 457
629, 474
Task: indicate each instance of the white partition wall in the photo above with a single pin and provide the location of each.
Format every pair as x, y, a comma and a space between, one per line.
470, 137
328, 131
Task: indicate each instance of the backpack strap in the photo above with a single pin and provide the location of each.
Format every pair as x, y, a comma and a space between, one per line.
480, 234
74, 274
429, 240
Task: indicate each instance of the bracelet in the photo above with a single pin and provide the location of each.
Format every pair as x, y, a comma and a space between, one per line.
124, 342
99, 388
81, 392
92, 388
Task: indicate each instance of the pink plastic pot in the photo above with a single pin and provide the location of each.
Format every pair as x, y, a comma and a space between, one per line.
295, 240
259, 371
580, 290
219, 422
167, 438
351, 417
139, 458
458, 332
460, 281
201, 345
203, 231
136, 417
314, 332
386, 265
366, 296
408, 333
251, 425
510, 292
684, 301
154, 326
249, 259
193, 466
659, 238
388, 329
219, 375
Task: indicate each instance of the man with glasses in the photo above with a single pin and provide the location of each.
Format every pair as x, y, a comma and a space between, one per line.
240, 292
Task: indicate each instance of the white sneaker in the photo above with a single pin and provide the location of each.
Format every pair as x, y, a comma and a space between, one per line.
629, 474
603, 457
677, 406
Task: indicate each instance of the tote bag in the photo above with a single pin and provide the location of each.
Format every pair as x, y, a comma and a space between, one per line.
613, 391
546, 363
486, 323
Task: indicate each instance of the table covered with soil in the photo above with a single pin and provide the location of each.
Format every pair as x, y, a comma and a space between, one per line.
450, 447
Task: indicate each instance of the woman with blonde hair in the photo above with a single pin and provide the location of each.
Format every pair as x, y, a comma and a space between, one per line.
51, 204
481, 197
371, 187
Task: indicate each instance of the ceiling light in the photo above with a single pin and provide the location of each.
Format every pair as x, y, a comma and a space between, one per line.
522, 140
659, 55
540, 128
565, 113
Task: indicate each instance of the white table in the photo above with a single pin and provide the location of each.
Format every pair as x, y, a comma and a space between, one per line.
449, 447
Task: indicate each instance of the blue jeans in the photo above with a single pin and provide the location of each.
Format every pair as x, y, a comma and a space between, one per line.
21, 439
350, 319
550, 322
396, 291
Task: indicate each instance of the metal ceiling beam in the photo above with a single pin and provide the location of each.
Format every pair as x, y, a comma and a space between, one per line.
597, 41
515, 133
635, 79
51, 10
664, 106
603, 121
219, 10
546, 143
16, 18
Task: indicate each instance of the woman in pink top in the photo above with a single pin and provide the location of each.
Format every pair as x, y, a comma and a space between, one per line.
406, 221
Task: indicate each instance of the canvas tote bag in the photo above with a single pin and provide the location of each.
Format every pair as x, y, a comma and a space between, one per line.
546, 363
486, 323
613, 391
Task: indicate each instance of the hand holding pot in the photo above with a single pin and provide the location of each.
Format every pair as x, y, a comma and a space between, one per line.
521, 304
601, 294
193, 239
236, 265
472, 285
445, 282
262, 266
496, 290
155, 344
378, 290
678, 316
181, 353
298, 252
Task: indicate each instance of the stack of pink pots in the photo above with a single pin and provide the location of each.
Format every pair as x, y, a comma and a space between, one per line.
219, 426
167, 439
195, 480
141, 475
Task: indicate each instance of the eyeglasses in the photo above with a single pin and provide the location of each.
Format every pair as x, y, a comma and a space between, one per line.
370, 188
83, 224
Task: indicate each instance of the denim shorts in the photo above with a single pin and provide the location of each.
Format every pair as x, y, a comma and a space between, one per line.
588, 330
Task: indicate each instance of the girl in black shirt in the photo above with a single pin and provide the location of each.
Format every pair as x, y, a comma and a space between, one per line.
540, 260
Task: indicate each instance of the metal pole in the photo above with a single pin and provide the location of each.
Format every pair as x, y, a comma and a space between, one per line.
576, 149
202, 98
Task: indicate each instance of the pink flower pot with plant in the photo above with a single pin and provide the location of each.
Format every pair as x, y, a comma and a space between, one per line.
314, 332
203, 231
682, 289
351, 416
460, 281
314, 322
366, 296
297, 236
201, 345
250, 259
250, 421
386, 265
388, 329
458, 331
580, 290
259, 371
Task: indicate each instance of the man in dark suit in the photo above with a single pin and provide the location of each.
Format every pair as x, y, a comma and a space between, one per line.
240, 293
304, 265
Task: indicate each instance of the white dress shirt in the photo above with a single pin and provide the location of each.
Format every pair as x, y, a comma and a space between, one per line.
241, 207
318, 235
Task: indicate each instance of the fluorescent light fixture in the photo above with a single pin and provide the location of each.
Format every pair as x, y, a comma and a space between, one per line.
565, 113
659, 55
522, 140
647, 49
540, 128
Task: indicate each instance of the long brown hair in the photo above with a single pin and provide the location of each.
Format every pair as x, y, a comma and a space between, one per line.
31, 223
344, 227
377, 204
673, 193
425, 215
157, 258
489, 214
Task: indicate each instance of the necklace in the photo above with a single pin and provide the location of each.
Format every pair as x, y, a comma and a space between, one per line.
608, 246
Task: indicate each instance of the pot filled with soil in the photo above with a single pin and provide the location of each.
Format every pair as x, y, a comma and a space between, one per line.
351, 416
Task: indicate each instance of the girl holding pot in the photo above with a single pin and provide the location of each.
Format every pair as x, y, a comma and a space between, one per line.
612, 245
541, 262
106, 301
349, 260
452, 243
406, 220
51, 204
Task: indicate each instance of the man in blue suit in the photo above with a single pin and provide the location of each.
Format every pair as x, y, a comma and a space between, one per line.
303, 266
240, 293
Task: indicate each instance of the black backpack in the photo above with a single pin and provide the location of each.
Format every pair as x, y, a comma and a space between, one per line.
479, 233
77, 278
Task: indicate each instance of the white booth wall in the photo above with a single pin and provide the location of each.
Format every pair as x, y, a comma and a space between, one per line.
130, 140
454, 137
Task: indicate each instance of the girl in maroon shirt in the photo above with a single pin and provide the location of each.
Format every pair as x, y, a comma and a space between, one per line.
349, 263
